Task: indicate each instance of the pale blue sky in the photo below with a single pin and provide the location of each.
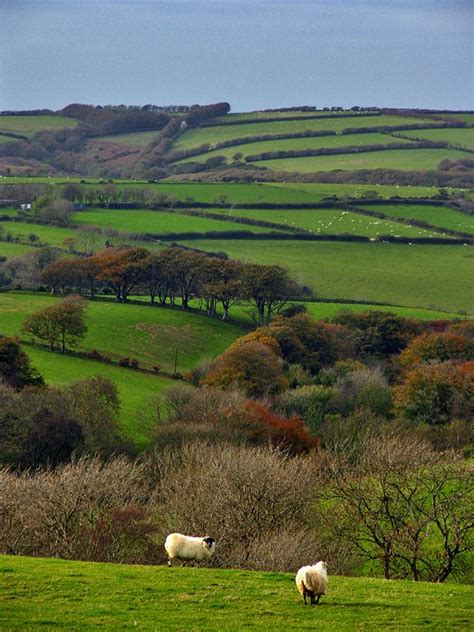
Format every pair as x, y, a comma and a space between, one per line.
253, 53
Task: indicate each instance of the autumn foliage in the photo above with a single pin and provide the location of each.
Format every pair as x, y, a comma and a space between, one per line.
437, 348
251, 367
437, 393
290, 435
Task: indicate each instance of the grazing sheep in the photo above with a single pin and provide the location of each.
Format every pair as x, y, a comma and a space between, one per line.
185, 547
312, 581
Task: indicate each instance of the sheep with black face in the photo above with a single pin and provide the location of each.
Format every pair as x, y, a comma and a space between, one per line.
189, 548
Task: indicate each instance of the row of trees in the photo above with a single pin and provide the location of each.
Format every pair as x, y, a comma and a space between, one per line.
175, 273
401, 509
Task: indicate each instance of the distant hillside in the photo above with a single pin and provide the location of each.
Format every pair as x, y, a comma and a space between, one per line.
373, 145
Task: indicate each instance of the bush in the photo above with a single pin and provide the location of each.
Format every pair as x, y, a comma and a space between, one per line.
254, 501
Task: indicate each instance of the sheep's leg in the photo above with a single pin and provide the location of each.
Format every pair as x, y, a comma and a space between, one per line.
304, 597
317, 600
169, 562
312, 599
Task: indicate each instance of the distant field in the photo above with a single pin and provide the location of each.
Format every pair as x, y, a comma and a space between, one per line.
435, 215
320, 310
468, 118
6, 139
329, 310
295, 144
53, 235
149, 334
199, 135
319, 191
249, 193
242, 116
136, 138
462, 137
135, 388
53, 594
142, 221
426, 276
415, 159
8, 249
29, 125
331, 221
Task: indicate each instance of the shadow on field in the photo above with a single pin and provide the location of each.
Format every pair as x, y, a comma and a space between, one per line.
361, 605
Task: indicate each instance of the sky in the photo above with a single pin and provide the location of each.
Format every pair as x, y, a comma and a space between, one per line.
255, 54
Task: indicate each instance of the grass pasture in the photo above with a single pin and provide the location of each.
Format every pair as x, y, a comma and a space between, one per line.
200, 135
143, 221
398, 274
30, 125
403, 159
133, 139
331, 221
461, 137
436, 215
249, 193
52, 235
150, 334
318, 191
295, 144
11, 249
57, 594
135, 388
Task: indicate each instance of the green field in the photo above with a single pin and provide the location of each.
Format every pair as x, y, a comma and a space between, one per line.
467, 118
200, 135
134, 138
318, 191
52, 235
30, 125
329, 310
276, 192
135, 388
150, 334
404, 159
10, 249
295, 144
7, 139
52, 594
330, 222
261, 114
427, 276
456, 136
142, 221
435, 215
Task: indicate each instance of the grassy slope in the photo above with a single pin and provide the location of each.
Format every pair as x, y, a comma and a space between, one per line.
199, 135
133, 139
280, 192
462, 137
318, 191
29, 125
435, 215
404, 159
8, 249
294, 144
394, 273
330, 221
150, 334
53, 235
142, 221
135, 388
58, 594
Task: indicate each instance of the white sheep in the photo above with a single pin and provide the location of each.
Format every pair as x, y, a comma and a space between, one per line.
185, 547
312, 581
